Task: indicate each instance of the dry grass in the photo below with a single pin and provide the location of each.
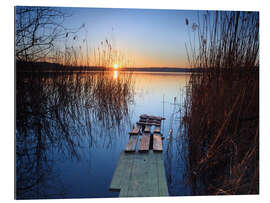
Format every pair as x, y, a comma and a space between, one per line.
222, 106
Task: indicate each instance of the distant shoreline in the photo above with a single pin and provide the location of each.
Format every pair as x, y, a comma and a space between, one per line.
159, 69
54, 67
45, 66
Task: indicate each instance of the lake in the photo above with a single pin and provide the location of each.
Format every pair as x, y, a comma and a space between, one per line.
72, 127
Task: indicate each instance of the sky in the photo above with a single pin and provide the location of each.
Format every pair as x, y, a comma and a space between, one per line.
149, 38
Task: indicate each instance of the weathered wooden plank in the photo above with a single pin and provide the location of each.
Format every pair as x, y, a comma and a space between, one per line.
135, 130
157, 143
157, 129
131, 145
155, 118
122, 171
155, 123
144, 177
159, 118
140, 175
147, 129
145, 143
162, 180
144, 116
147, 123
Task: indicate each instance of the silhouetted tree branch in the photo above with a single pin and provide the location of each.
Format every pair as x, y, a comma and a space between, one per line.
37, 31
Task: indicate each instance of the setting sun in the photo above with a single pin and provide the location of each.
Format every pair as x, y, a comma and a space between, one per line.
115, 65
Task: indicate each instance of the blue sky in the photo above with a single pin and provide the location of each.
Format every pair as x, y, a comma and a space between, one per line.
139, 37
150, 37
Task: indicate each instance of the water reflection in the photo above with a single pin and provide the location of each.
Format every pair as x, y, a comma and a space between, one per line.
115, 74
71, 128
61, 114
150, 89
176, 150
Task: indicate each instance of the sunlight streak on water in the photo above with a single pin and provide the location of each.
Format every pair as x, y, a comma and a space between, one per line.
115, 74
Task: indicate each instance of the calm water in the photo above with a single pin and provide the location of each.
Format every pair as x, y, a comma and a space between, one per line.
71, 128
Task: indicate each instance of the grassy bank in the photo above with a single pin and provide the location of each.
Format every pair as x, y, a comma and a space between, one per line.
222, 106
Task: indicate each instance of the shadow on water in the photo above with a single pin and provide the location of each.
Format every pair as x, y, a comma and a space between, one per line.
60, 114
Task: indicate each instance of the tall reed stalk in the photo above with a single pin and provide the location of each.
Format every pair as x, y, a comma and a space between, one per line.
222, 104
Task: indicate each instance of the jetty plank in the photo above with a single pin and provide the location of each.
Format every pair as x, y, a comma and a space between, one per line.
144, 177
157, 129
147, 123
155, 118
143, 120
144, 116
145, 143
131, 145
157, 143
159, 118
147, 129
162, 181
141, 174
122, 171
135, 130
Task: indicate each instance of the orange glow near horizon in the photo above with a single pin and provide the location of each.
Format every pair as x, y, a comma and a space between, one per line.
129, 59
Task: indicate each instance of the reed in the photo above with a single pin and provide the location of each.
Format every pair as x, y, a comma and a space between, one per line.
77, 52
65, 112
42, 37
222, 104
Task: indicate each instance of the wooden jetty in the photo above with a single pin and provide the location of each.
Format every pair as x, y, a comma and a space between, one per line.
141, 172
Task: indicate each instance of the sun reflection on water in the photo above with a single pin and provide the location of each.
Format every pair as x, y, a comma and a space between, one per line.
115, 74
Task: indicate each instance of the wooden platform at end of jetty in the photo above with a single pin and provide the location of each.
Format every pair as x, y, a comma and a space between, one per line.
141, 173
